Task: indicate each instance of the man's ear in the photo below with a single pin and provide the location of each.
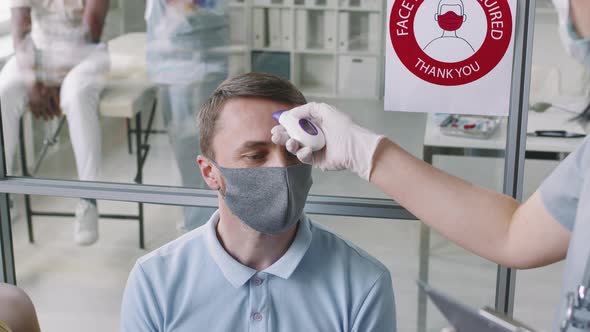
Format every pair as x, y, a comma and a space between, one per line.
464, 17
209, 173
436, 16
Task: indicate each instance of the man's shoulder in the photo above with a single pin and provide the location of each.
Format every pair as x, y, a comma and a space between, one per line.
191, 244
338, 249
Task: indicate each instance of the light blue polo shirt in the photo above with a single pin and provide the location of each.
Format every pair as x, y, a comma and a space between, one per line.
322, 283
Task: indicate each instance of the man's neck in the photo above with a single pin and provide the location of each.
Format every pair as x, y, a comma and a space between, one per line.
249, 247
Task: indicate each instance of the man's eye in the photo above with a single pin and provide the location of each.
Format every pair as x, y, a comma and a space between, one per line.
258, 156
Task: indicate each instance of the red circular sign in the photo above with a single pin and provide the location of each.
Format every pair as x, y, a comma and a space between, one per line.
495, 45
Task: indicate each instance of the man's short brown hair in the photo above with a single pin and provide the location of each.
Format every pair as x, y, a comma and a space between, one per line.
251, 85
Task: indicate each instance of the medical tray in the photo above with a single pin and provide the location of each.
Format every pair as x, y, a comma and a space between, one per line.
472, 126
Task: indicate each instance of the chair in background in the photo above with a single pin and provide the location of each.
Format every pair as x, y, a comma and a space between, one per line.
128, 95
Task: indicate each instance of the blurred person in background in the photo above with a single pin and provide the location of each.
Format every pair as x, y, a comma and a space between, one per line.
59, 66
183, 41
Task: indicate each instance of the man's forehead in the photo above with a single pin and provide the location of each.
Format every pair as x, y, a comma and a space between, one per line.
246, 103
242, 111
255, 144
246, 121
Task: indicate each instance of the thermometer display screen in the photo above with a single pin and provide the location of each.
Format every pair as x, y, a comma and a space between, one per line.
308, 127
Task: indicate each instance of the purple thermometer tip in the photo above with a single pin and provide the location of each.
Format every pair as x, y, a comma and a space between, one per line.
276, 115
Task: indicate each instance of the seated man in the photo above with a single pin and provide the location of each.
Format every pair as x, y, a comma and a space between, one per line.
59, 65
259, 264
17, 313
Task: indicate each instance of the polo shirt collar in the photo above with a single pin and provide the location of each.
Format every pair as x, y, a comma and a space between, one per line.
238, 274
288, 263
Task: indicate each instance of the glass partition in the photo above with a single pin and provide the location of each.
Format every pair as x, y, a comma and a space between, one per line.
123, 108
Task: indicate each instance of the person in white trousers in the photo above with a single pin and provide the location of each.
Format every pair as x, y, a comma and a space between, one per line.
59, 66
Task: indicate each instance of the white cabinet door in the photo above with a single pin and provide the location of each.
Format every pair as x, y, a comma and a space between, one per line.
375, 33
258, 28
274, 27
357, 76
330, 18
301, 29
287, 28
343, 33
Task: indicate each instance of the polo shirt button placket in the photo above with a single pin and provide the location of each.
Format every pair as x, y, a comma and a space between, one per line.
257, 316
258, 302
258, 281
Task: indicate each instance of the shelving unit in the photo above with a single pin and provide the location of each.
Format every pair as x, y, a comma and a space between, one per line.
328, 48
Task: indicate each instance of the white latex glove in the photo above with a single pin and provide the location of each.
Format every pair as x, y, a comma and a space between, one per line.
348, 145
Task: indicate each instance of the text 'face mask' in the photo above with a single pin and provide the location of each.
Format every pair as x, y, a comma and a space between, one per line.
268, 199
450, 21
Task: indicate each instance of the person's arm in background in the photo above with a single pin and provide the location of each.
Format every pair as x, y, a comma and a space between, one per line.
93, 20
580, 17
21, 37
95, 13
575, 33
487, 223
574, 28
43, 103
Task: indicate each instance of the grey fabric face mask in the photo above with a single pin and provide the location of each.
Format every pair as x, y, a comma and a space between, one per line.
268, 199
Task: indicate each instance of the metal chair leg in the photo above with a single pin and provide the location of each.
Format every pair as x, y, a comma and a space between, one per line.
128, 126
47, 142
423, 274
141, 227
29, 215
141, 149
141, 161
139, 178
150, 123
25, 171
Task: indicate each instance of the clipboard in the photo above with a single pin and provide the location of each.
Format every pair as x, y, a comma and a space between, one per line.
466, 319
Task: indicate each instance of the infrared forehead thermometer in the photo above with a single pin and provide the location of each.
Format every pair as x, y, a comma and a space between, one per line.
302, 130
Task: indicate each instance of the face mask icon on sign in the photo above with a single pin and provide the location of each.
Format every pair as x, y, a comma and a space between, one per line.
450, 21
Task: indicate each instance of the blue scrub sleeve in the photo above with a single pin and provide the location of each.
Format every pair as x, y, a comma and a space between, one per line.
561, 191
377, 312
576, 46
139, 310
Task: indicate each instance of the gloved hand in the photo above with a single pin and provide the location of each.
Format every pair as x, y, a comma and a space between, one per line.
348, 145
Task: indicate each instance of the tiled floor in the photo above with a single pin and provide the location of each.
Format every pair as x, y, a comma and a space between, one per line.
79, 289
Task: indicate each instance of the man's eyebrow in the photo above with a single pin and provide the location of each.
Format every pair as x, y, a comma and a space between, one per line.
254, 144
